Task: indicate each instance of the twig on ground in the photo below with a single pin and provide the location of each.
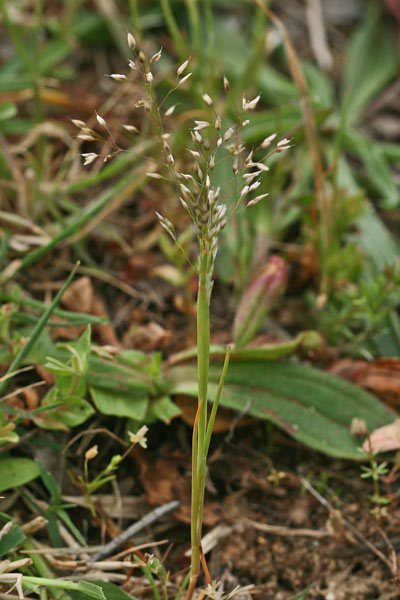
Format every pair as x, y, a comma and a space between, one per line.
287, 531
348, 524
147, 520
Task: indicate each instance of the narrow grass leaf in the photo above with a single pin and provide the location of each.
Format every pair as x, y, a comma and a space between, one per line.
13, 538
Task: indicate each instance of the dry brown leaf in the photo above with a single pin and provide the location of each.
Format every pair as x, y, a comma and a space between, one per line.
380, 376
80, 297
31, 398
384, 439
148, 337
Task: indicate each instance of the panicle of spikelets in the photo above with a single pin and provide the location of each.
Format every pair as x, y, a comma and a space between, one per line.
197, 194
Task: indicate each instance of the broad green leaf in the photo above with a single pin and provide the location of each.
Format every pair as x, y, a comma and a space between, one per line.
114, 376
134, 358
382, 249
120, 404
162, 409
74, 411
17, 471
312, 406
13, 538
8, 110
70, 413
69, 385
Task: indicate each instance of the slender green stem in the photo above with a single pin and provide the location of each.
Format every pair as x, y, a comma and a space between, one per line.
395, 326
19, 45
195, 557
256, 54
148, 574
183, 587
201, 475
176, 35
134, 8
194, 18
200, 424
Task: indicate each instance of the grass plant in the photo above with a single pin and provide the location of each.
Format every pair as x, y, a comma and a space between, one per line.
214, 170
207, 210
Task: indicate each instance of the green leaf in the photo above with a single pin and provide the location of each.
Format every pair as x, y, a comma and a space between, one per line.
52, 528
70, 385
370, 62
35, 334
72, 412
56, 366
7, 431
17, 471
382, 249
265, 123
309, 340
314, 407
65, 518
82, 347
376, 166
8, 437
134, 358
91, 589
8, 110
275, 87
50, 483
13, 538
163, 409
320, 86
120, 404
303, 594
